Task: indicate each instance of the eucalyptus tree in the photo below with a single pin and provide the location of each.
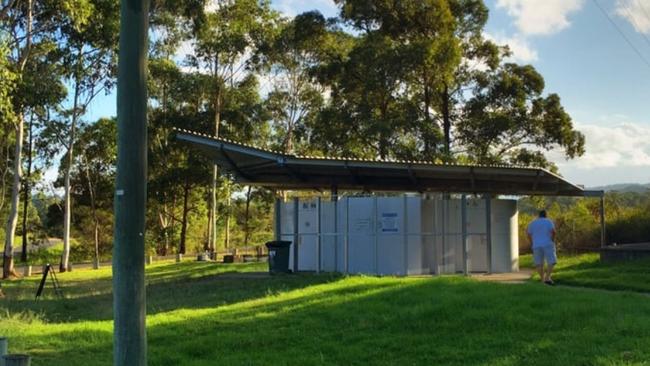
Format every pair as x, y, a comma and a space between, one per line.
176, 174
509, 120
29, 36
422, 49
296, 97
90, 63
93, 176
226, 46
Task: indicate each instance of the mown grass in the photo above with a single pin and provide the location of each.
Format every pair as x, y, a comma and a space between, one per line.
207, 314
586, 270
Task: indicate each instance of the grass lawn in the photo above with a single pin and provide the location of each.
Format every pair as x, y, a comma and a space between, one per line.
586, 270
207, 314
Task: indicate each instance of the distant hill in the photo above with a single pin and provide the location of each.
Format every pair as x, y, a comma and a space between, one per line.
624, 187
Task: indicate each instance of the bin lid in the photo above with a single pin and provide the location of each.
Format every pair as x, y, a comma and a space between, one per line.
278, 244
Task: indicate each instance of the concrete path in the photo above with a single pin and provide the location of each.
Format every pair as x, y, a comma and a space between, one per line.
513, 277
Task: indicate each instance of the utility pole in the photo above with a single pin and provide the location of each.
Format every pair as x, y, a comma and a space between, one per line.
129, 337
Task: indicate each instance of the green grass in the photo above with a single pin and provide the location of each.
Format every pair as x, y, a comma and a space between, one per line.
585, 270
207, 314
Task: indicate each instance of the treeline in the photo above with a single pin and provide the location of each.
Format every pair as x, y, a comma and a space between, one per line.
387, 79
577, 220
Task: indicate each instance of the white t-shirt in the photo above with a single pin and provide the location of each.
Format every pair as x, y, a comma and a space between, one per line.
541, 231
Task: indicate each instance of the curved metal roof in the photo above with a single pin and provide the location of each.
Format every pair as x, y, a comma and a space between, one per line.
273, 169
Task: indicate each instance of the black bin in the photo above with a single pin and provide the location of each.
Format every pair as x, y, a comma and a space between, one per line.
278, 256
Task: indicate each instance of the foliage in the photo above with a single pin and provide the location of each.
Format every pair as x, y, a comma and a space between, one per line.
405, 80
577, 220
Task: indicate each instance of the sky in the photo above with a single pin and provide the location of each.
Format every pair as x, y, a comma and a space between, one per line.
594, 53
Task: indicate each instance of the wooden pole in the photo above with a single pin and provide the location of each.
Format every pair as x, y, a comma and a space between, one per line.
129, 302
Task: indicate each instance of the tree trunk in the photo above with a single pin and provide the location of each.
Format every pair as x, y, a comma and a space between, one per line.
207, 245
226, 241
247, 231
93, 207
186, 193
446, 121
8, 255
27, 191
212, 222
65, 256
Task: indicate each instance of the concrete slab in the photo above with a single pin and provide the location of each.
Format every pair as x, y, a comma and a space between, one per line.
513, 277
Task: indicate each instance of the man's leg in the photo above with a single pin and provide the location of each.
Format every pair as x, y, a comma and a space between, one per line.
538, 258
549, 271
551, 260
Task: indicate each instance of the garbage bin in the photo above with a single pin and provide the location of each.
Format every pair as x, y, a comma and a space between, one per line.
278, 256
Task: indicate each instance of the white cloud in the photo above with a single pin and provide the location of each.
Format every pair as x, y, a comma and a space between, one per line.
540, 17
636, 12
521, 50
622, 145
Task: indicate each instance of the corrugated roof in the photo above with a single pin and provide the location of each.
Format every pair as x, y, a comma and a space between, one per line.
273, 169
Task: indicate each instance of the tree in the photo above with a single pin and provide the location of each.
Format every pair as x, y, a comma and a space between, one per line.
508, 120
226, 45
90, 65
93, 173
31, 26
426, 50
295, 98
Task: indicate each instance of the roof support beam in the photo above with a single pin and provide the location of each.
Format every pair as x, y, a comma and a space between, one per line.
414, 179
472, 179
234, 166
537, 178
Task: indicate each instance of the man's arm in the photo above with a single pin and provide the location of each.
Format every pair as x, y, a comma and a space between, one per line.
553, 234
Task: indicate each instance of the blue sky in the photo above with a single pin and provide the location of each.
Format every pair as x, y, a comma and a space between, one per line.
604, 84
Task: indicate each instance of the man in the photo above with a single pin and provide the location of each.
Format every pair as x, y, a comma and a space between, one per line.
541, 234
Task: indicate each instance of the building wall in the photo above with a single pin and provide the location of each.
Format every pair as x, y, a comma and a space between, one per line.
398, 235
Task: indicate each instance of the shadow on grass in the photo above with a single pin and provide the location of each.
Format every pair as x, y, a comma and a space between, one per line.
369, 321
168, 288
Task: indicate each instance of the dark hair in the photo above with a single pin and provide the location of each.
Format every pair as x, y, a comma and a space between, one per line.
542, 213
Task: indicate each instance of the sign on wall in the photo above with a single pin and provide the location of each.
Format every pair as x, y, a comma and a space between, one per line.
389, 222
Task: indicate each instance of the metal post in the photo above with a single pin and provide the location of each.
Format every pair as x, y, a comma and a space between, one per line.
406, 238
278, 218
375, 228
319, 237
444, 206
296, 236
335, 198
488, 230
346, 240
434, 217
602, 221
463, 210
129, 301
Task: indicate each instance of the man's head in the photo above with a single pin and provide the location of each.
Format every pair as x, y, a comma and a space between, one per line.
542, 213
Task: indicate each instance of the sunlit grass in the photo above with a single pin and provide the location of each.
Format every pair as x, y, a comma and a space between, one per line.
207, 314
586, 270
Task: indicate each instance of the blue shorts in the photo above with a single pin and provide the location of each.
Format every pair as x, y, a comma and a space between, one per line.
547, 252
